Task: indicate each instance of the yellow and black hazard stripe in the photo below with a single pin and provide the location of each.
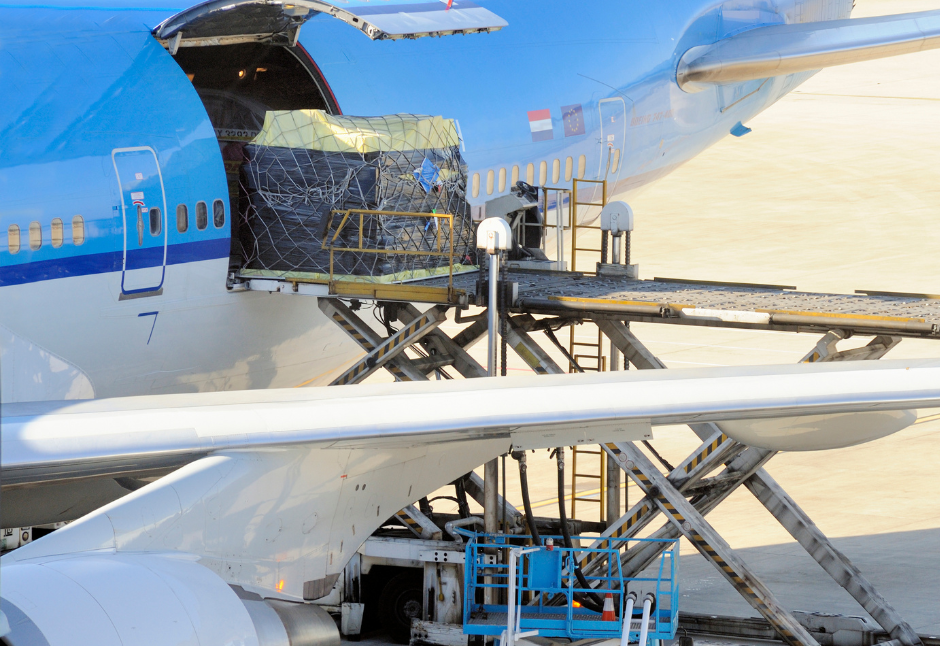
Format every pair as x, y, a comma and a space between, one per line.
401, 336
742, 586
409, 522
616, 533
704, 453
705, 548
352, 374
353, 332
367, 346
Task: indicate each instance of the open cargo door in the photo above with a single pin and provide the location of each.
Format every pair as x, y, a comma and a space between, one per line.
224, 22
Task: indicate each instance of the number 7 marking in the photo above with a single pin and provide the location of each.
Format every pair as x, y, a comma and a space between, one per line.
154, 315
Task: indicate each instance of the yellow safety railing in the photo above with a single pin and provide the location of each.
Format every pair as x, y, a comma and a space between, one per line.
405, 291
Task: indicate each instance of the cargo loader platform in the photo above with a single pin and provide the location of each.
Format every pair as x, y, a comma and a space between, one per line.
713, 304
409, 343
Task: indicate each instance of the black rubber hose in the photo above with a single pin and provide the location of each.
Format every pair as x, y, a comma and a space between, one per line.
463, 505
590, 600
526, 503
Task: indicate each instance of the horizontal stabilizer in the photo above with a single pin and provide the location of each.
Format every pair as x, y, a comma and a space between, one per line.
777, 50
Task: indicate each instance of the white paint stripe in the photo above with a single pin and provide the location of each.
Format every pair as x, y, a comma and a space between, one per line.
542, 124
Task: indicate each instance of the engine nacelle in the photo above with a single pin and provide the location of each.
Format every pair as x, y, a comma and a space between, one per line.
104, 598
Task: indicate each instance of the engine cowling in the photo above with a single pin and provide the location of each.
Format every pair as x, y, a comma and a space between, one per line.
105, 598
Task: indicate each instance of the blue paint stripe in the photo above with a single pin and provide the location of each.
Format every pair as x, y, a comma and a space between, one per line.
101, 263
146, 257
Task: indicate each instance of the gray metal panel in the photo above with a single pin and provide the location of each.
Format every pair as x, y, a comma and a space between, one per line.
221, 21
777, 50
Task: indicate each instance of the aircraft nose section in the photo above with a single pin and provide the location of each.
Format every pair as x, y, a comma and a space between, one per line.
818, 432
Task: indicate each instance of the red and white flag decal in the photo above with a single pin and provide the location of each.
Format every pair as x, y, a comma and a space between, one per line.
540, 123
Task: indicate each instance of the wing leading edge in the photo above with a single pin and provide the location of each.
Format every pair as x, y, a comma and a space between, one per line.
46, 442
777, 50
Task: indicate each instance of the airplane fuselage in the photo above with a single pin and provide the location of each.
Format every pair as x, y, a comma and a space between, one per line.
115, 203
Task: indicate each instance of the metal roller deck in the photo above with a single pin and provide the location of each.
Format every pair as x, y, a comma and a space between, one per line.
734, 305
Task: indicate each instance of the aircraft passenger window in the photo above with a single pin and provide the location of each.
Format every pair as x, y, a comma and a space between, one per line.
582, 162
155, 221
569, 168
218, 214
616, 162
556, 171
13, 238
35, 235
489, 182
530, 174
475, 185
57, 232
502, 180
202, 215
182, 218
543, 173
515, 176
78, 230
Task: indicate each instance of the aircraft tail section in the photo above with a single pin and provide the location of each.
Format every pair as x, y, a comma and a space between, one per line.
778, 50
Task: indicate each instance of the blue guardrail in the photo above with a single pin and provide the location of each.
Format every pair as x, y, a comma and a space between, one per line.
547, 590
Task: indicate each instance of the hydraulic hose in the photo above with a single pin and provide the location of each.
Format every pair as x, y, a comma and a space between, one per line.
627, 619
526, 502
645, 626
590, 600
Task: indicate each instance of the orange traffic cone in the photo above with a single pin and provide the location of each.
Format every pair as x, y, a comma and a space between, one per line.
609, 614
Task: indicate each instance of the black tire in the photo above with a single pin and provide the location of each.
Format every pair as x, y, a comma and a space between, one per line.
400, 602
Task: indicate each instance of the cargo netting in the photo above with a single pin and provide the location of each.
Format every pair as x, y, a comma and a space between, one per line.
305, 165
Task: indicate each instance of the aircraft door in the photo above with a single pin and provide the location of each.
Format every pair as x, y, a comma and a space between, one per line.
613, 118
143, 205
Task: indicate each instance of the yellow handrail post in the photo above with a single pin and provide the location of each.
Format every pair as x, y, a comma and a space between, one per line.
422, 292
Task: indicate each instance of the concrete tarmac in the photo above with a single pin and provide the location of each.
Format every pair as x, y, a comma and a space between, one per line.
834, 190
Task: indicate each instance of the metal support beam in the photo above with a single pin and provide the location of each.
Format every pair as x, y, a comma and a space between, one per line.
774, 498
393, 346
708, 457
613, 492
711, 545
436, 361
490, 496
400, 366
802, 528
469, 336
463, 362
527, 348
473, 485
736, 472
635, 352
419, 524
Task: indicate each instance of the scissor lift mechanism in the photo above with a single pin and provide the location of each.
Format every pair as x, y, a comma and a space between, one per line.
548, 301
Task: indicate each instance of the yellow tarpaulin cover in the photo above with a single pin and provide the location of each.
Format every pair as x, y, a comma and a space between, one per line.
317, 130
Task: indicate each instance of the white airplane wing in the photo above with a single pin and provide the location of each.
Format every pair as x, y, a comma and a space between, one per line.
777, 50
60, 440
278, 489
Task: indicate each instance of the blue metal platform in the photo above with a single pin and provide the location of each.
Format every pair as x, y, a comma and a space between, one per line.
546, 588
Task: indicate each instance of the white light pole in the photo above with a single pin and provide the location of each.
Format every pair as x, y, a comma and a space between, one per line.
494, 235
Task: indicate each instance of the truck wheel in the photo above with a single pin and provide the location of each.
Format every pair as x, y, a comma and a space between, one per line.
400, 602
